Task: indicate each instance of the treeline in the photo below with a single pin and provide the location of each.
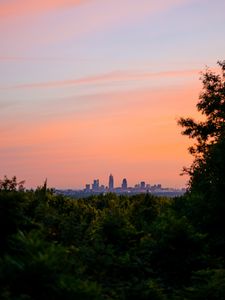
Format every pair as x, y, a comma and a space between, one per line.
118, 247
108, 247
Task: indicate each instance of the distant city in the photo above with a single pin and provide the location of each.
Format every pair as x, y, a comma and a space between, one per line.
96, 188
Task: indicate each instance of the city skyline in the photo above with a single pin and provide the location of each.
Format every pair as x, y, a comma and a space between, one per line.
124, 184
89, 87
97, 187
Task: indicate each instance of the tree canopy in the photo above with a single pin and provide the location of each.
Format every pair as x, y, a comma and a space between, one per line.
211, 131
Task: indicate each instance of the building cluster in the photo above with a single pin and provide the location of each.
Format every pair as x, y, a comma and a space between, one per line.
142, 187
124, 189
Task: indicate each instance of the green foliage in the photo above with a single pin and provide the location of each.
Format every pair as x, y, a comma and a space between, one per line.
7, 184
12, 217
103, 247
209, 132
207, 173
207, 284
177, 249
34, 269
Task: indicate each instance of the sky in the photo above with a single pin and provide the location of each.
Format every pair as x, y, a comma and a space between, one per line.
93, 87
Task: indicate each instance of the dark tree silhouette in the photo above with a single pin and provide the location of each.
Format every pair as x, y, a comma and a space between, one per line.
207, 172
211, 131
7, 184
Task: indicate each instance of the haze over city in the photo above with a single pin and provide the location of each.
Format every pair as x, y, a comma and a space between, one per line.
93, 87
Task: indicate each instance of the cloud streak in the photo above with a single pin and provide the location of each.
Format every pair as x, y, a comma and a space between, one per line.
28, 7
115, 76
96, 16
42, 59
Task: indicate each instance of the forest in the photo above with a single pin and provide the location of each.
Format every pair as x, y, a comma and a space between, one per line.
119, 247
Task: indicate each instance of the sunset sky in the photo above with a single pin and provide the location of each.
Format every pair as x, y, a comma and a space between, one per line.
93, 87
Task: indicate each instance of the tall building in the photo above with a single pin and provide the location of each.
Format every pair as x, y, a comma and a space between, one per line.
87, 187
142, 185
111, 182
124, 184
95, 185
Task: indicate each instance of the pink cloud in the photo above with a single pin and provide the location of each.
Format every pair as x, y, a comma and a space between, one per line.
41, 58
96, 16
27, 7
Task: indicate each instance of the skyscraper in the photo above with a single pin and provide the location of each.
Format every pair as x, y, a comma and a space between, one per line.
111, 182
142, 185
124, 184
95, 185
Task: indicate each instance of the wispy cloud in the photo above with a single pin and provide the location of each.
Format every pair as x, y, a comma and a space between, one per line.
6, 104
96, 16
28, 7
115, 76
42, 59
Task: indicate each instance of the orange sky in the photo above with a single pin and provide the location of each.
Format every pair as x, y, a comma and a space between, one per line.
93, 87
131, 134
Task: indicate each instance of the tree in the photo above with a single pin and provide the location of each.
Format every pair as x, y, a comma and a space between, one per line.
207, 172
211, 131
7, 184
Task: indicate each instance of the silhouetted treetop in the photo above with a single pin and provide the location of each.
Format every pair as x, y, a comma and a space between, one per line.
7, 184
212, 105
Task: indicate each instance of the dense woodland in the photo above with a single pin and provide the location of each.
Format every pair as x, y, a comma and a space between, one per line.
119, 247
